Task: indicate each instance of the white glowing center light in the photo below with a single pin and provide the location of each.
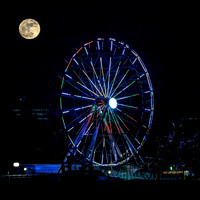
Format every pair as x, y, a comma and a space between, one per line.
113, 103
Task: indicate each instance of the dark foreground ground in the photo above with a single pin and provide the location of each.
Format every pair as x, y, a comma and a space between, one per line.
85, 179
93, 186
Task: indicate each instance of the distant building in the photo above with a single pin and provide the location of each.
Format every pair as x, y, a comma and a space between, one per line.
37, 113
24, 109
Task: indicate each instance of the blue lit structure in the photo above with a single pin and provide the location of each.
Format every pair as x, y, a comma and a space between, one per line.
43, 168
39, 168
97, 131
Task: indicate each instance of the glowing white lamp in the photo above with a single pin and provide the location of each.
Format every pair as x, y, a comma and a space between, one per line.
15, 164
113, 103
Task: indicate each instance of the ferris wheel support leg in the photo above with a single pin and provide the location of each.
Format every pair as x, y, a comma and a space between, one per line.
61, 169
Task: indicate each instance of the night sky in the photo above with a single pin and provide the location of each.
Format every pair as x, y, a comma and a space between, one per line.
164, 34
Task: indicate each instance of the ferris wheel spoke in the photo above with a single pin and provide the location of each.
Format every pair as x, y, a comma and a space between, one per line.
77, 63
83, 81
102, 72
119, 83
128, 106
115, 122
105, 151
77, 88
74, 146
113, 81
114, 151
114, 144
88, 89
131, 80
131, 147
127, 115
92, 82
68, 95
125, 88
76, 108
135, 122
108, 84
133, 95
75, 122
97, 77
122, 122
97, 146
86, 50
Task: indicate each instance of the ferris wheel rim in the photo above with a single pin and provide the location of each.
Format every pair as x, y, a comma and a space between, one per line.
103, 92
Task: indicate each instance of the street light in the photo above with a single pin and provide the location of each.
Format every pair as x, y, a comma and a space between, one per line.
109, 172
15, 164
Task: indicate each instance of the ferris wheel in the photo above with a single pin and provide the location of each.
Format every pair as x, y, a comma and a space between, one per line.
106, 103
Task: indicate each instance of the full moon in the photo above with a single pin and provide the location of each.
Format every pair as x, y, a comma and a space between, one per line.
29, 28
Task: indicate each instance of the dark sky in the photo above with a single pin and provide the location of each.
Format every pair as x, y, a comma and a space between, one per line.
164, 34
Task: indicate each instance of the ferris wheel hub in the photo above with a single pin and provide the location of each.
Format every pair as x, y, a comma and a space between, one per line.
113, 103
